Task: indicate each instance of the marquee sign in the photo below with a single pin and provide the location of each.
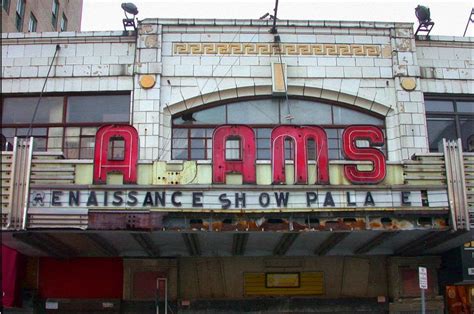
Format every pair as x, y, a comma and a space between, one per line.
322, 199
246, 163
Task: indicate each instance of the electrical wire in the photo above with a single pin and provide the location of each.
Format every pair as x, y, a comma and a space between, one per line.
30, 127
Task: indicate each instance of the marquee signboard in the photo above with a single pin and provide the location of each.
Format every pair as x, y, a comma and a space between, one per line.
322, 199
245, 164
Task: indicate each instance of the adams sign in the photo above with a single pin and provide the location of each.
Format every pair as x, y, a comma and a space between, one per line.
245, 162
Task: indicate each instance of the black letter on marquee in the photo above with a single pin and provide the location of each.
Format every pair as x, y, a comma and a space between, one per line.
132, 196
348, 197
264, 199
106, 198
74, 198
328, 201
197, 201
225, 202
311, 197
405, 198
173, 198
369, 200
238, 199
160, 199
148, 199
92, 199
55, 198
279, 197
117, 198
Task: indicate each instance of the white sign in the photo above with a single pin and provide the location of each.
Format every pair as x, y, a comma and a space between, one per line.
423, 277
470, 271
228, 199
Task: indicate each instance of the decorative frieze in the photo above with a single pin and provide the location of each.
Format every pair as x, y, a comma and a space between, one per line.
273, 49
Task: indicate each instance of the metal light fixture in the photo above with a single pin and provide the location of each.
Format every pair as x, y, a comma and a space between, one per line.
424, 18
130, 8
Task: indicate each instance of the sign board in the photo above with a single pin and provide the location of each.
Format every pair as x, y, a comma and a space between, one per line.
423, 278
141, 198
470, 271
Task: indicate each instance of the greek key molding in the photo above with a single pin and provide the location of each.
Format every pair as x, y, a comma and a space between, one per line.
272, 49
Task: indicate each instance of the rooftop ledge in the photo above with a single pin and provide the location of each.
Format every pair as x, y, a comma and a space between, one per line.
281, 23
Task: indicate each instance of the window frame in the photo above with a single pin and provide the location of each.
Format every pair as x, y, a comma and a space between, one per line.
63, 24
288, 151
455, 114
20, 14
63, 124
6, 5
55, 14
32, 23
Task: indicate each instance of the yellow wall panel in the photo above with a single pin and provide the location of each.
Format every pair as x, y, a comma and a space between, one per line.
311, 283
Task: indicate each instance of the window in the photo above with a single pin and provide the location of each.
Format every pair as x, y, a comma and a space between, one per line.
116, 149
54, 14
65, 123
192, 130
232, 149
450, 118
64, 23
32, 24
6, 5
20, 14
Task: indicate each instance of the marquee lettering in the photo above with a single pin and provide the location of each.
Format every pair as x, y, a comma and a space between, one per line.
244, 164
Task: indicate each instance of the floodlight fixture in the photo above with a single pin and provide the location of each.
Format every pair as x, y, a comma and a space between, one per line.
424, 18
130, 8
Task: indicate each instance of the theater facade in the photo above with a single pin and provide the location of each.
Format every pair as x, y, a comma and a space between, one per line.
213, 166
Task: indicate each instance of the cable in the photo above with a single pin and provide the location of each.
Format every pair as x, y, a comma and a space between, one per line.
28, 134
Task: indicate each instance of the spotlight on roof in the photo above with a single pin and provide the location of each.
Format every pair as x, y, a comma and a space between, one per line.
423, 15
130, 8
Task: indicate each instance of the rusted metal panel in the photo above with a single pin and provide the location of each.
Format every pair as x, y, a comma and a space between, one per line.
125, 221
167, 173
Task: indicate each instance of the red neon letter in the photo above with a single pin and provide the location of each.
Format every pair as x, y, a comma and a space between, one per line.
300, 136
246, 164
127, 166
374, 136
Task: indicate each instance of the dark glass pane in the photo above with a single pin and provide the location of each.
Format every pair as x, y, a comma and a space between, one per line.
214, 115
39, 144
334, 154
467, 134
439, 128
109, 108
263, 154
180, 154
465, 106
263, 143
439, 106
311, 150
264, 132
347, 116
180, 143
253, 112
197, 153
198, 132
180, 133
71, 153
305, 112
197, 143
331, 133
21, 109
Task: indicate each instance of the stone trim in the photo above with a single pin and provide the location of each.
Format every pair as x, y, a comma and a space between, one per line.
272, 49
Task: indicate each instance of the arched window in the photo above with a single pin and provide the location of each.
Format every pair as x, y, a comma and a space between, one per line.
192, 130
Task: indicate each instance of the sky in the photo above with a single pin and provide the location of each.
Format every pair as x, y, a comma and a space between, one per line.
450, 17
